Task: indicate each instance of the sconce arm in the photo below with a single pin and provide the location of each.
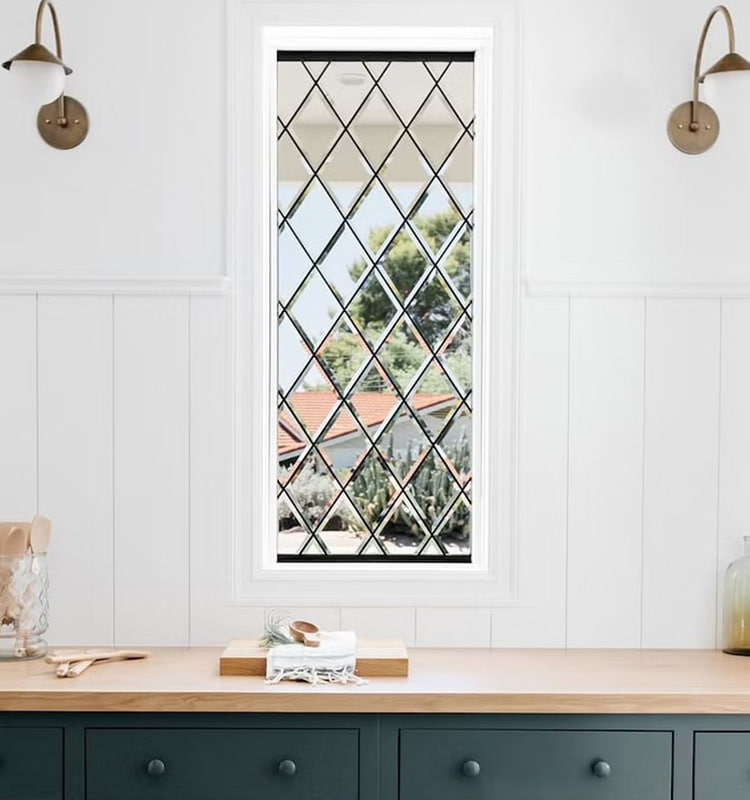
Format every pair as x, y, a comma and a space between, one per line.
61, 117
55, 24
697, 77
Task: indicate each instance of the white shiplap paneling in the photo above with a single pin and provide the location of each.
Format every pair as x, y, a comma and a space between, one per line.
381, 623
75, 464
162, 442
543, 453
18, 408
213, 620
151, 472
606, 473
681, 471
734, 466
453, 627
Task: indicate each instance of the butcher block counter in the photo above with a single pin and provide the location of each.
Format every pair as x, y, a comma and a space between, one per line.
464, 725
440, 681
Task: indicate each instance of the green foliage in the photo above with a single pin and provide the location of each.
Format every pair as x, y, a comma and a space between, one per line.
433, 310
431, 489
371, 490
434, 306
312, 490
402, 357
276, 629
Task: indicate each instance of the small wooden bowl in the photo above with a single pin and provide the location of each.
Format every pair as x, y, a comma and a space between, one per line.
305, 632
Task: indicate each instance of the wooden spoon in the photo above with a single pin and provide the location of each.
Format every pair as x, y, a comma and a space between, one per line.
68, 670
15, 544
13, 547
6, 528
39, 536
305, 632
98, 655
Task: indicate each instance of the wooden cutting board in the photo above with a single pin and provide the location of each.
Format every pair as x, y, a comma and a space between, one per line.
375, 659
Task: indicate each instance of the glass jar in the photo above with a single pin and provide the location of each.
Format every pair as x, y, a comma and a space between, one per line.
737, 604
24, 606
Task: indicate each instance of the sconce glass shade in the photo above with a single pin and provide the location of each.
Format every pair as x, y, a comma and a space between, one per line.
38, 75
37, 83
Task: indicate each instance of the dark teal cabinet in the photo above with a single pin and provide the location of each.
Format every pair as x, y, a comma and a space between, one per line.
722, 765
229, 764
455, 764
31, 763
206, 756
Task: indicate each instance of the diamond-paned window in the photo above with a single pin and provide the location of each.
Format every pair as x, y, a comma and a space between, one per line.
375, 161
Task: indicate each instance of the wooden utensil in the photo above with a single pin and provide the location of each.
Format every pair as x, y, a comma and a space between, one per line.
14, 547
68, 670
7, 527
40, 533
305, 632
102, 655
15, 544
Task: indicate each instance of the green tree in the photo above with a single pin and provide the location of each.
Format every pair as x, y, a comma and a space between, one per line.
434, 306
401, 358
432, 311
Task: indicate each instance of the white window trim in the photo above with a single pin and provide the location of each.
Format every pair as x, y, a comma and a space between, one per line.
256, 33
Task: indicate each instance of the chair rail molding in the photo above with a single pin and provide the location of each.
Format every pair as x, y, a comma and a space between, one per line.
145, 285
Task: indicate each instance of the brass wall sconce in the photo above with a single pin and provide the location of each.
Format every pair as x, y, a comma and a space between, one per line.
693, 126
62, 121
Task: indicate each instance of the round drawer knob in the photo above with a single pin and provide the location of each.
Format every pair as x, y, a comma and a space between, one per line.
156, 767
287, 768
601, 769
470, 768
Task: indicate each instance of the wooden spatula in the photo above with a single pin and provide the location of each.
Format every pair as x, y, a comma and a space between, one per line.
15, 544
39, 536
13, 547
101, 655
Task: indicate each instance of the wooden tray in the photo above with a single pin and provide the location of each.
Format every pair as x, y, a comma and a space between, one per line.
381, 659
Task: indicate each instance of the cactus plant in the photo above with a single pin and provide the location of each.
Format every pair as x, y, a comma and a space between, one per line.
431, 489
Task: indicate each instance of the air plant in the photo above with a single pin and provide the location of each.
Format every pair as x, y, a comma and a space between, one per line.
276, 629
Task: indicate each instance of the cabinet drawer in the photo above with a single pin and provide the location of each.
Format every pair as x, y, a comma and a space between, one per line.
31, 763
722, 766
221, 764
527, 765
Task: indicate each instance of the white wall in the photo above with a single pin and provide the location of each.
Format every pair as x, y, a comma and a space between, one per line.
635, 338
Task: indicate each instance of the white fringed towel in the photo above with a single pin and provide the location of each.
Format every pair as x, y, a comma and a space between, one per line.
333, 661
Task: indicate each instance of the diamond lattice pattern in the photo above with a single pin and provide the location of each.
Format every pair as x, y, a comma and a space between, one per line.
375, 201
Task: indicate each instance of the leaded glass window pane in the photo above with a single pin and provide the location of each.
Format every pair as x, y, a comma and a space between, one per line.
375, 217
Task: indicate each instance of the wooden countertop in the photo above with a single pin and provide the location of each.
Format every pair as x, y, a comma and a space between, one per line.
440, 681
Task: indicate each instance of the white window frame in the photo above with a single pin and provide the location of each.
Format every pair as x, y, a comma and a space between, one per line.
256, 32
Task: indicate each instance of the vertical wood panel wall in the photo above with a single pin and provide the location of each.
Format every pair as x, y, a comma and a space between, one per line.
76, 463
151, 470
606, 467
634, 470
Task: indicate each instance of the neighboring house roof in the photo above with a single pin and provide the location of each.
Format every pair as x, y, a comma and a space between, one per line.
313, 408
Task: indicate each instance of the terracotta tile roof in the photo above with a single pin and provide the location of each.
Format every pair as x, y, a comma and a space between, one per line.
312, 408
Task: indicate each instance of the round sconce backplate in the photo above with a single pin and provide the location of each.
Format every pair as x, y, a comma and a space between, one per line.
63, 136
693, 142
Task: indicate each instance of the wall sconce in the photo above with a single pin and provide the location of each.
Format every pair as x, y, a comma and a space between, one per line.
693, 126
62, 121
